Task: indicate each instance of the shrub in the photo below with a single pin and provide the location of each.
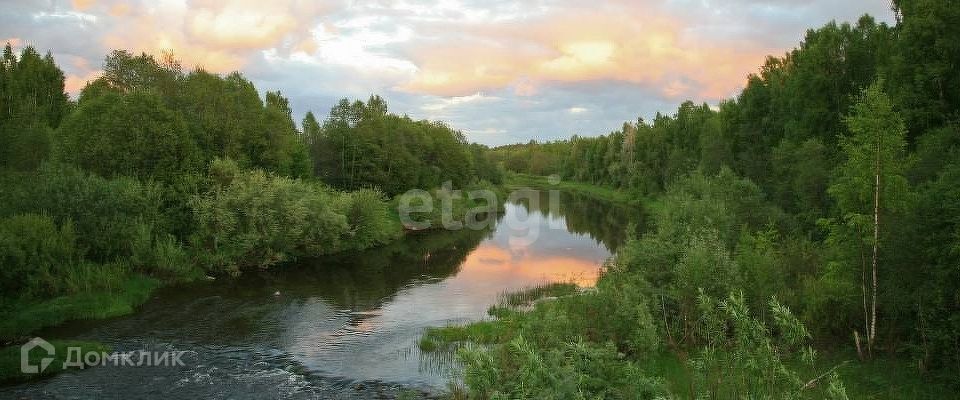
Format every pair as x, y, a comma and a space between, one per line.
39, 259
161, 256
255, 219
576, 370
740, 354
105, 213
368, 215
35, 254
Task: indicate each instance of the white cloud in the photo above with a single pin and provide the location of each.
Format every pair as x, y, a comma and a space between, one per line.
67, 15
457, 100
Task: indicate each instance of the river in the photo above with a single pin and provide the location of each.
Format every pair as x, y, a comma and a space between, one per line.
345, 326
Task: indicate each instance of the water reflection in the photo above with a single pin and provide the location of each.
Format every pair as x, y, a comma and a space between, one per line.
605, 222
328, 322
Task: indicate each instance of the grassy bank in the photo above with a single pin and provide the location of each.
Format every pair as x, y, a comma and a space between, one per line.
22, 318
520, 337
10, 360
515, 181
494, 331
689, 309
367, 220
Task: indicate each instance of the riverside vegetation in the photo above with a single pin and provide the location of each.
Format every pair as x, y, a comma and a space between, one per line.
157, 176
803, 240
800, 240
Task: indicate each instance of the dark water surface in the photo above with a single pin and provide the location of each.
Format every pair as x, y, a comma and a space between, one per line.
344, 326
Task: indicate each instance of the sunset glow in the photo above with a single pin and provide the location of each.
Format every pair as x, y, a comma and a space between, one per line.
534, 63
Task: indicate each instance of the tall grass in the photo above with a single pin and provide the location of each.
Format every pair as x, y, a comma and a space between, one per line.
22, 317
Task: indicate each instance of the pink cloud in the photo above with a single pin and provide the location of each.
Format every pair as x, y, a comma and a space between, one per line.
570, 45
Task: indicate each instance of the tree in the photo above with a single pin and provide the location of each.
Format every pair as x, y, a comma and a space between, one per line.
32, 102
128, 134
126, 72
924, 62
871, 182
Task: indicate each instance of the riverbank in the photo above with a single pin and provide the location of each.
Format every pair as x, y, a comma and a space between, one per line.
515, 181
20, 319
287, 332
675, 314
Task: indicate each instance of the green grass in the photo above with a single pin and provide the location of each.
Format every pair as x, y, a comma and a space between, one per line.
22, 318
888, 378
495, 331
532, 294
878, 379
481, 332
514, 181
10, 360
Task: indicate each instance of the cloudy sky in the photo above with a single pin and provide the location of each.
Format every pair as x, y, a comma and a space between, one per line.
503, 71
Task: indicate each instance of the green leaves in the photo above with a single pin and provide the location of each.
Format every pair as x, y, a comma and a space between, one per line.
876, 146
254, 219
360, 145
130, 134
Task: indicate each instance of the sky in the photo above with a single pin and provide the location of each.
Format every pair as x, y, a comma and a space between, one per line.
502, 71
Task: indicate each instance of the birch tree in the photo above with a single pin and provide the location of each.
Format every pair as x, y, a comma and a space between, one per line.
870, 184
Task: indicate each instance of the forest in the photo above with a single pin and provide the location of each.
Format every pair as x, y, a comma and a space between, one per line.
800, 240
819, 210
156, 176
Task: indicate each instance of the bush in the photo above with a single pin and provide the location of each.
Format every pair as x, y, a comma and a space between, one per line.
740, 354
161, 256
369, 218
38, 259
35, 255
577, 370
105, 213
253, 219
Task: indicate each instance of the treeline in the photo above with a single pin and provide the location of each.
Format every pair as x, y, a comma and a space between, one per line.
830, 183
361, 145
159, 173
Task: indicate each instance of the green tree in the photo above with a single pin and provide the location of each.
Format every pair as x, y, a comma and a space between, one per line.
128, 134
870, 184
32, 103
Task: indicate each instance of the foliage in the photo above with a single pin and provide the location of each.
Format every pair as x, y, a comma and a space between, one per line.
133, 133
743, 356
256, 219
105, 213
361, 145
36, 254
576, 370
33, 104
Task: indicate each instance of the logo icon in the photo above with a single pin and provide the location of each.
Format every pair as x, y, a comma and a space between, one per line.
25, 365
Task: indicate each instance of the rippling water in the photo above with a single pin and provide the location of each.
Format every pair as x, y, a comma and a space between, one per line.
344, 326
